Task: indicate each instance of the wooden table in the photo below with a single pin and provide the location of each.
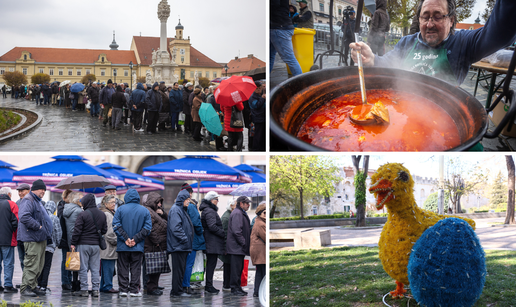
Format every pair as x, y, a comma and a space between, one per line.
494, 72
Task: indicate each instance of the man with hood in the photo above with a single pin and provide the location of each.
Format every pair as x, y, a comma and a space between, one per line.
380, 23
34, 229
85, 239
57, 233
153, 102
164, 113
118, 99
132, 224
8, 227
187, 107
137, 105
238, 242
175, 99
105, 100
180, 236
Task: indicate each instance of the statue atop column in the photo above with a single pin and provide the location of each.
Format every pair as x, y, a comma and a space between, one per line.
163, 11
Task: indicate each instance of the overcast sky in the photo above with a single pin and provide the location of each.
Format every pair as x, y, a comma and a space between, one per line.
220, 29
480, 6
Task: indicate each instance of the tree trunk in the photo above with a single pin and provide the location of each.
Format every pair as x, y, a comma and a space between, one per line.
360, 220
273, 211
509, 215
301, 204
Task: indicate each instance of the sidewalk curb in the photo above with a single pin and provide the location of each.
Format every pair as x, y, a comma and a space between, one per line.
23, 131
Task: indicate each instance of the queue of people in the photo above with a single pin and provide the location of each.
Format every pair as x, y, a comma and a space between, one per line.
132, 235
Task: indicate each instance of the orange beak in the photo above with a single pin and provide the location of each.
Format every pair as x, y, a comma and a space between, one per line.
383, 192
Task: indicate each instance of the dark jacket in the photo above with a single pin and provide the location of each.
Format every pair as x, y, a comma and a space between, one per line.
46, 89
157, 240
279, 18
214, 104
105, 95
212, 224
93, 93
8, 221
85, 232
257, 105
165, 104
62, 222
198, 243
132, 221
118, 99
35, 224
153, 99
137, 99
186, 95
225, 222
239, 233
180, 230
175, 99
55, 89
37, 90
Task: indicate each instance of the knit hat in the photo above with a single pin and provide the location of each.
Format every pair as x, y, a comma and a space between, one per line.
38, 185
211, 195
109, 81
189, 84
187, 187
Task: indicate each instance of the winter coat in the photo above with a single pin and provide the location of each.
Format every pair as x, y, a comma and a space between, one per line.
180, 230
85, 230
198, 243
8, 221
46, 89
214, 104
186, 106
157, 240
212, 224
279, 18
239, 234
258, 239
257, 105
37, 90
35, 224
153, 99
57, 233
196, 105
93, 93
137, 99
106, 94
118, 98
111, 240
225, 221
64, 237
55, 89
227, 117
132, 221
176, 100
380, 23
165, 104
70, 213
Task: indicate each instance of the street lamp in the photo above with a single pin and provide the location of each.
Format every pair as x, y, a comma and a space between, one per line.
131, 67
226, 69
114, 74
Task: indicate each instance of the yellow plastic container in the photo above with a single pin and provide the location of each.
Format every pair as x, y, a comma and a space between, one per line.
303, 43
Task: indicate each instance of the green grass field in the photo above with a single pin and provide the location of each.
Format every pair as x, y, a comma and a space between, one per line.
354, 276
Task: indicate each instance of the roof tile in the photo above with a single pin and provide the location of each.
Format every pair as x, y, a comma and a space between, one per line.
65, 55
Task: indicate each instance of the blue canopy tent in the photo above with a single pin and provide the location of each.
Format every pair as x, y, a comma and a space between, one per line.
6, 175
63, 167
225, 187
199, 168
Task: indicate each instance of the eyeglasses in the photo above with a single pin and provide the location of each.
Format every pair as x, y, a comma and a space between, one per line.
437, 18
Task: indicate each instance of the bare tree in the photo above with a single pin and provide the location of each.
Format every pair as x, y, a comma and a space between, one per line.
509, 215
360, 188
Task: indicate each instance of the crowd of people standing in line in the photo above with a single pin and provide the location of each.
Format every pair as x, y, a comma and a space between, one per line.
158, 108
129, 229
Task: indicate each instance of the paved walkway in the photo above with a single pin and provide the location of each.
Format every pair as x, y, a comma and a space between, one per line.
501, 143
64, 130
490, 237
58, 298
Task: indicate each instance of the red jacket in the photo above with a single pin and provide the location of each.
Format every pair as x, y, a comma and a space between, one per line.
14, 209
8, 221
227, 117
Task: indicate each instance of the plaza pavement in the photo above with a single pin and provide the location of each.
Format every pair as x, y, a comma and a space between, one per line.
58, 298
501, 143
491, 237
64, 130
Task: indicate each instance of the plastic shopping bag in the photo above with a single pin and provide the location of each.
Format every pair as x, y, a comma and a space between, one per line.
181, 119
198, 268
245, 273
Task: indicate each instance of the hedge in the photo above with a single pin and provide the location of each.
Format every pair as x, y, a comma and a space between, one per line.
323, 217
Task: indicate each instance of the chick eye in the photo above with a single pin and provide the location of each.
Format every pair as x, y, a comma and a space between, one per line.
403, 176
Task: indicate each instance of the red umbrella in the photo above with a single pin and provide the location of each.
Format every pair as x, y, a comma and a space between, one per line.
234, 90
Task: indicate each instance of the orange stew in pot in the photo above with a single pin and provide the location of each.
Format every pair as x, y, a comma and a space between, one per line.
416, 124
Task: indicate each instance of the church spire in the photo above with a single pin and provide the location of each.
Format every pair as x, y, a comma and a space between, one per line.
114, 45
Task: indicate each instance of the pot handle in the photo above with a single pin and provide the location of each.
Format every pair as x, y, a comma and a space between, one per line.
508, 118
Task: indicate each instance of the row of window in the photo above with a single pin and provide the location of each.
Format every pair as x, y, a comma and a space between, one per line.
192, 74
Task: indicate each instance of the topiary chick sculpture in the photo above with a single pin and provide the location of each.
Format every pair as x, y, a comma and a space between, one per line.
392, 187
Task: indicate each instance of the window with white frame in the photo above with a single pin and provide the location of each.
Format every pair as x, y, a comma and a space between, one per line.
51, 71
70, 72
102, 72
11, 69
41, 70
60, 72
126, 73
24, 71
88, 71
78, 72
208, 74
214, 74
321, 7
2, 70
191, 74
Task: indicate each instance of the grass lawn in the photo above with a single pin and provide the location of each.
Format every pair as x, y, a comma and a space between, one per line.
354, 276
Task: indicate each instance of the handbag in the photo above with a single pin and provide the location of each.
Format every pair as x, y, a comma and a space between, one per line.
73, 261
245, 271
157, 262
109, 112
237, 118
71, 96
181, 119
198, 268
102, 244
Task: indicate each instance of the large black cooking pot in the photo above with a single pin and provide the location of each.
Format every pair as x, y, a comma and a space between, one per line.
294, 100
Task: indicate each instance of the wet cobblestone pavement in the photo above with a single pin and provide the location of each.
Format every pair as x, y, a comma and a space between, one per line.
58, 298
64, 130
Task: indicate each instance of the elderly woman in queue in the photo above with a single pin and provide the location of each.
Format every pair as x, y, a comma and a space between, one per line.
226, 259
108, 256
214, 236
257, 250
196, 105
70, 212
157, 240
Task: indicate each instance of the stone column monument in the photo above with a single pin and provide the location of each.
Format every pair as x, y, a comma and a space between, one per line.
162, 67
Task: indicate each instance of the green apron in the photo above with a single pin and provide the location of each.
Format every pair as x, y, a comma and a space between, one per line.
433, 62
